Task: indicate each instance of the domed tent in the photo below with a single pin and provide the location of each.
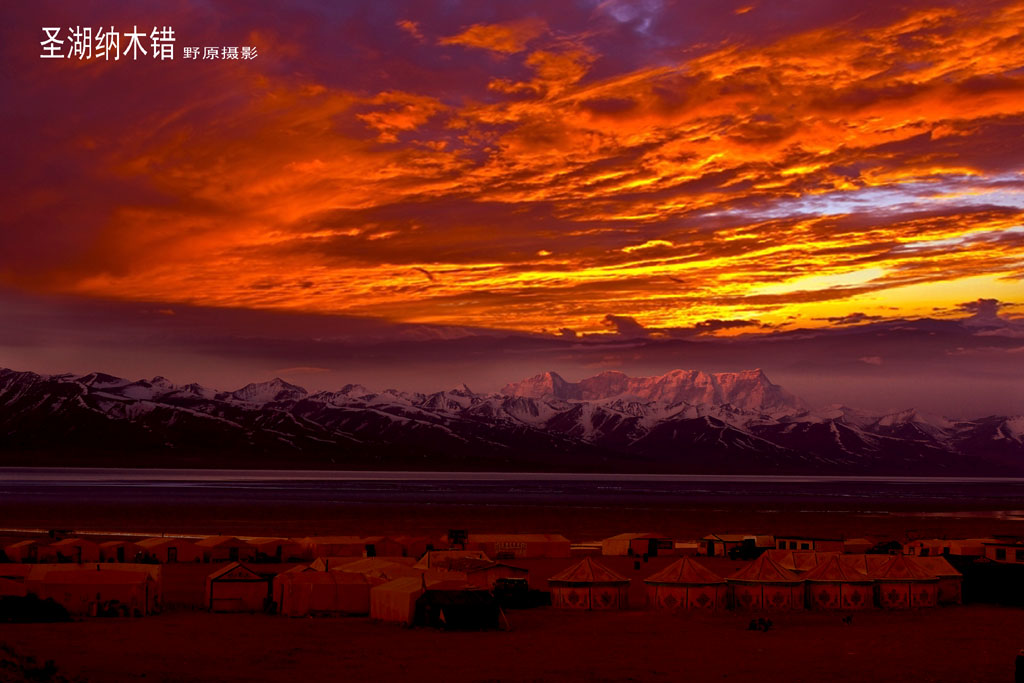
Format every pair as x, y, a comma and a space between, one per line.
685, 585
764, 584
903, 583
834, 585
950, 580
589, 585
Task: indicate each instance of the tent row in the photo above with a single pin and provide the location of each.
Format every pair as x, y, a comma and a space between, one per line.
897, 582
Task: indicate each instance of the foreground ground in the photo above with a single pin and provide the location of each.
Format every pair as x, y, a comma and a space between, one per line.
955, 644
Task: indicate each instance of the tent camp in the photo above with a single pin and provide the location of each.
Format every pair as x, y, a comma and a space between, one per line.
686, 585
305, 593
834, 585
225, 549
457, 609
88, 592
119, 551
763, 584
637, 544
588, 584
236, 588
950, 586
512, 546
76, 550
168, 550
902, 583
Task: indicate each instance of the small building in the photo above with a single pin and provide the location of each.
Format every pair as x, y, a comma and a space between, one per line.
932, 547
237, 588
833, 585
1005, 549
686, 585
306, 593
589, 585
76, 550
637, 545
168, 550
730, 545
120, 551
516, 546
88, 592
950, 586
902, 583
23, 551
765, 585
275, 549
225, 549
812, 543
414, 546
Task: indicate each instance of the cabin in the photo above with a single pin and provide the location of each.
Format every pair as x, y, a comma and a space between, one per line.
120, 551
237, 588
637, 545
168, 550
76, 550
589, 585
810, 543
225, 549
517, 546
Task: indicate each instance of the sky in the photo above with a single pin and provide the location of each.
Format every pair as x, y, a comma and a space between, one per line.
424, 193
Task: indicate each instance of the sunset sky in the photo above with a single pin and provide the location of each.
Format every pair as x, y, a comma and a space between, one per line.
564, 171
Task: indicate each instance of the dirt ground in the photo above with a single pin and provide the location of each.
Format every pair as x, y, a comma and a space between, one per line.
955, 644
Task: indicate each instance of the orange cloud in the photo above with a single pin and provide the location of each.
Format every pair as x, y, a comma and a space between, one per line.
508, 38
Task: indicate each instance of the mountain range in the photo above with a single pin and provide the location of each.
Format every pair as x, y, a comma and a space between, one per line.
684, 421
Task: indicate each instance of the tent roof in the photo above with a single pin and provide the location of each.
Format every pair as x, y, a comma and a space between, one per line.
30, 541
214, 541
588, 570
634, 536
114, 544
937, 566
333, 578
432, 557
333, 540
728, 538
831, 569
232, 567
800, 560
766, 570
686, 571
468, 565
364, 564
902, 568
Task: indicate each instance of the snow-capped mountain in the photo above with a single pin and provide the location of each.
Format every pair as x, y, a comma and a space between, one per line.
682, 421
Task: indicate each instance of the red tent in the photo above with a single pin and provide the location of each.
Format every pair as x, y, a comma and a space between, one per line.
588, 584
902, 583
764, 584
684, 585
834, 585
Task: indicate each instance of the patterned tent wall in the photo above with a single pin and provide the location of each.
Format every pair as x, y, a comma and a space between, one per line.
907, 594
687, 597
766, 596
844, 595
590, 596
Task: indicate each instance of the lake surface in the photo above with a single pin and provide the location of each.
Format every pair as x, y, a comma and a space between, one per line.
306, 486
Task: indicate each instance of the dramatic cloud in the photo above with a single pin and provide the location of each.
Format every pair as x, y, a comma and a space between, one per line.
651, 170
